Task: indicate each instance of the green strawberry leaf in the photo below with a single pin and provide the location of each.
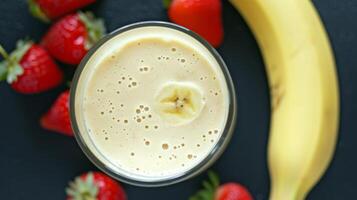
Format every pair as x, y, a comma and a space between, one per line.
36, 11
207, 186
95, 28
83, 189
10, 68
214, 179
210, 186
14, 70
21, 48
3, 70
166, 3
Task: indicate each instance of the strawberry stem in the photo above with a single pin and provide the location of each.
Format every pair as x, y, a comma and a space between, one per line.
4, 53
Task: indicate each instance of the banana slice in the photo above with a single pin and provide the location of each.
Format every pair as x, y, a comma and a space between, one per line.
179, 102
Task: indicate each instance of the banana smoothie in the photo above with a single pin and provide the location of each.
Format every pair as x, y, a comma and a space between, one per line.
153, 103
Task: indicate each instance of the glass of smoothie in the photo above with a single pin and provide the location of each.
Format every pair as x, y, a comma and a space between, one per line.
152, 104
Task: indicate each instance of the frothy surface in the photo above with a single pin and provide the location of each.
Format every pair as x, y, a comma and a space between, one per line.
119, 91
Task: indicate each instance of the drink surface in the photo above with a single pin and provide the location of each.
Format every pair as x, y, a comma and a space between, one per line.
155, 102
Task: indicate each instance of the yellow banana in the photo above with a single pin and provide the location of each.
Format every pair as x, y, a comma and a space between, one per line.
304, 92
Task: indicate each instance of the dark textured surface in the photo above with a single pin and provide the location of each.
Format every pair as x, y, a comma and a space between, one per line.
36, 164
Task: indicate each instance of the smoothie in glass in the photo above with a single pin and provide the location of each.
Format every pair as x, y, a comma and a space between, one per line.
152, 103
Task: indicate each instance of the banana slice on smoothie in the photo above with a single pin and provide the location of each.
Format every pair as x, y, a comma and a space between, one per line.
179, 102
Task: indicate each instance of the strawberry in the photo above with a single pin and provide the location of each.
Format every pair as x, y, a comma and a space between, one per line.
232, 191
47, 10
29, 69
69, 39
201, 16
57, 118
95, 186
228, 191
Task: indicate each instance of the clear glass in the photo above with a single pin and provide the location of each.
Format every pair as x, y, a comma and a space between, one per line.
97, 158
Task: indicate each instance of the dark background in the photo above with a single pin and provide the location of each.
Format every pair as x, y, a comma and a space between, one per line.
37, 164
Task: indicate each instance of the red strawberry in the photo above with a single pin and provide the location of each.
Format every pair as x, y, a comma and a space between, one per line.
95, 186
47, 10
201, 16
69, 39
228, 191
29, 69
232, 191
57, 118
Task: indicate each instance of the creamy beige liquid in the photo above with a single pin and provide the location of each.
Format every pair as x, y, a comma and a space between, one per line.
119, 111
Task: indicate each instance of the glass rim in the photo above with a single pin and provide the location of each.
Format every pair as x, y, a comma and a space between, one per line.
204, 164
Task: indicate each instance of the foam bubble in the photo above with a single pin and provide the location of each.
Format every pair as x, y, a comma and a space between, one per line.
165, 146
